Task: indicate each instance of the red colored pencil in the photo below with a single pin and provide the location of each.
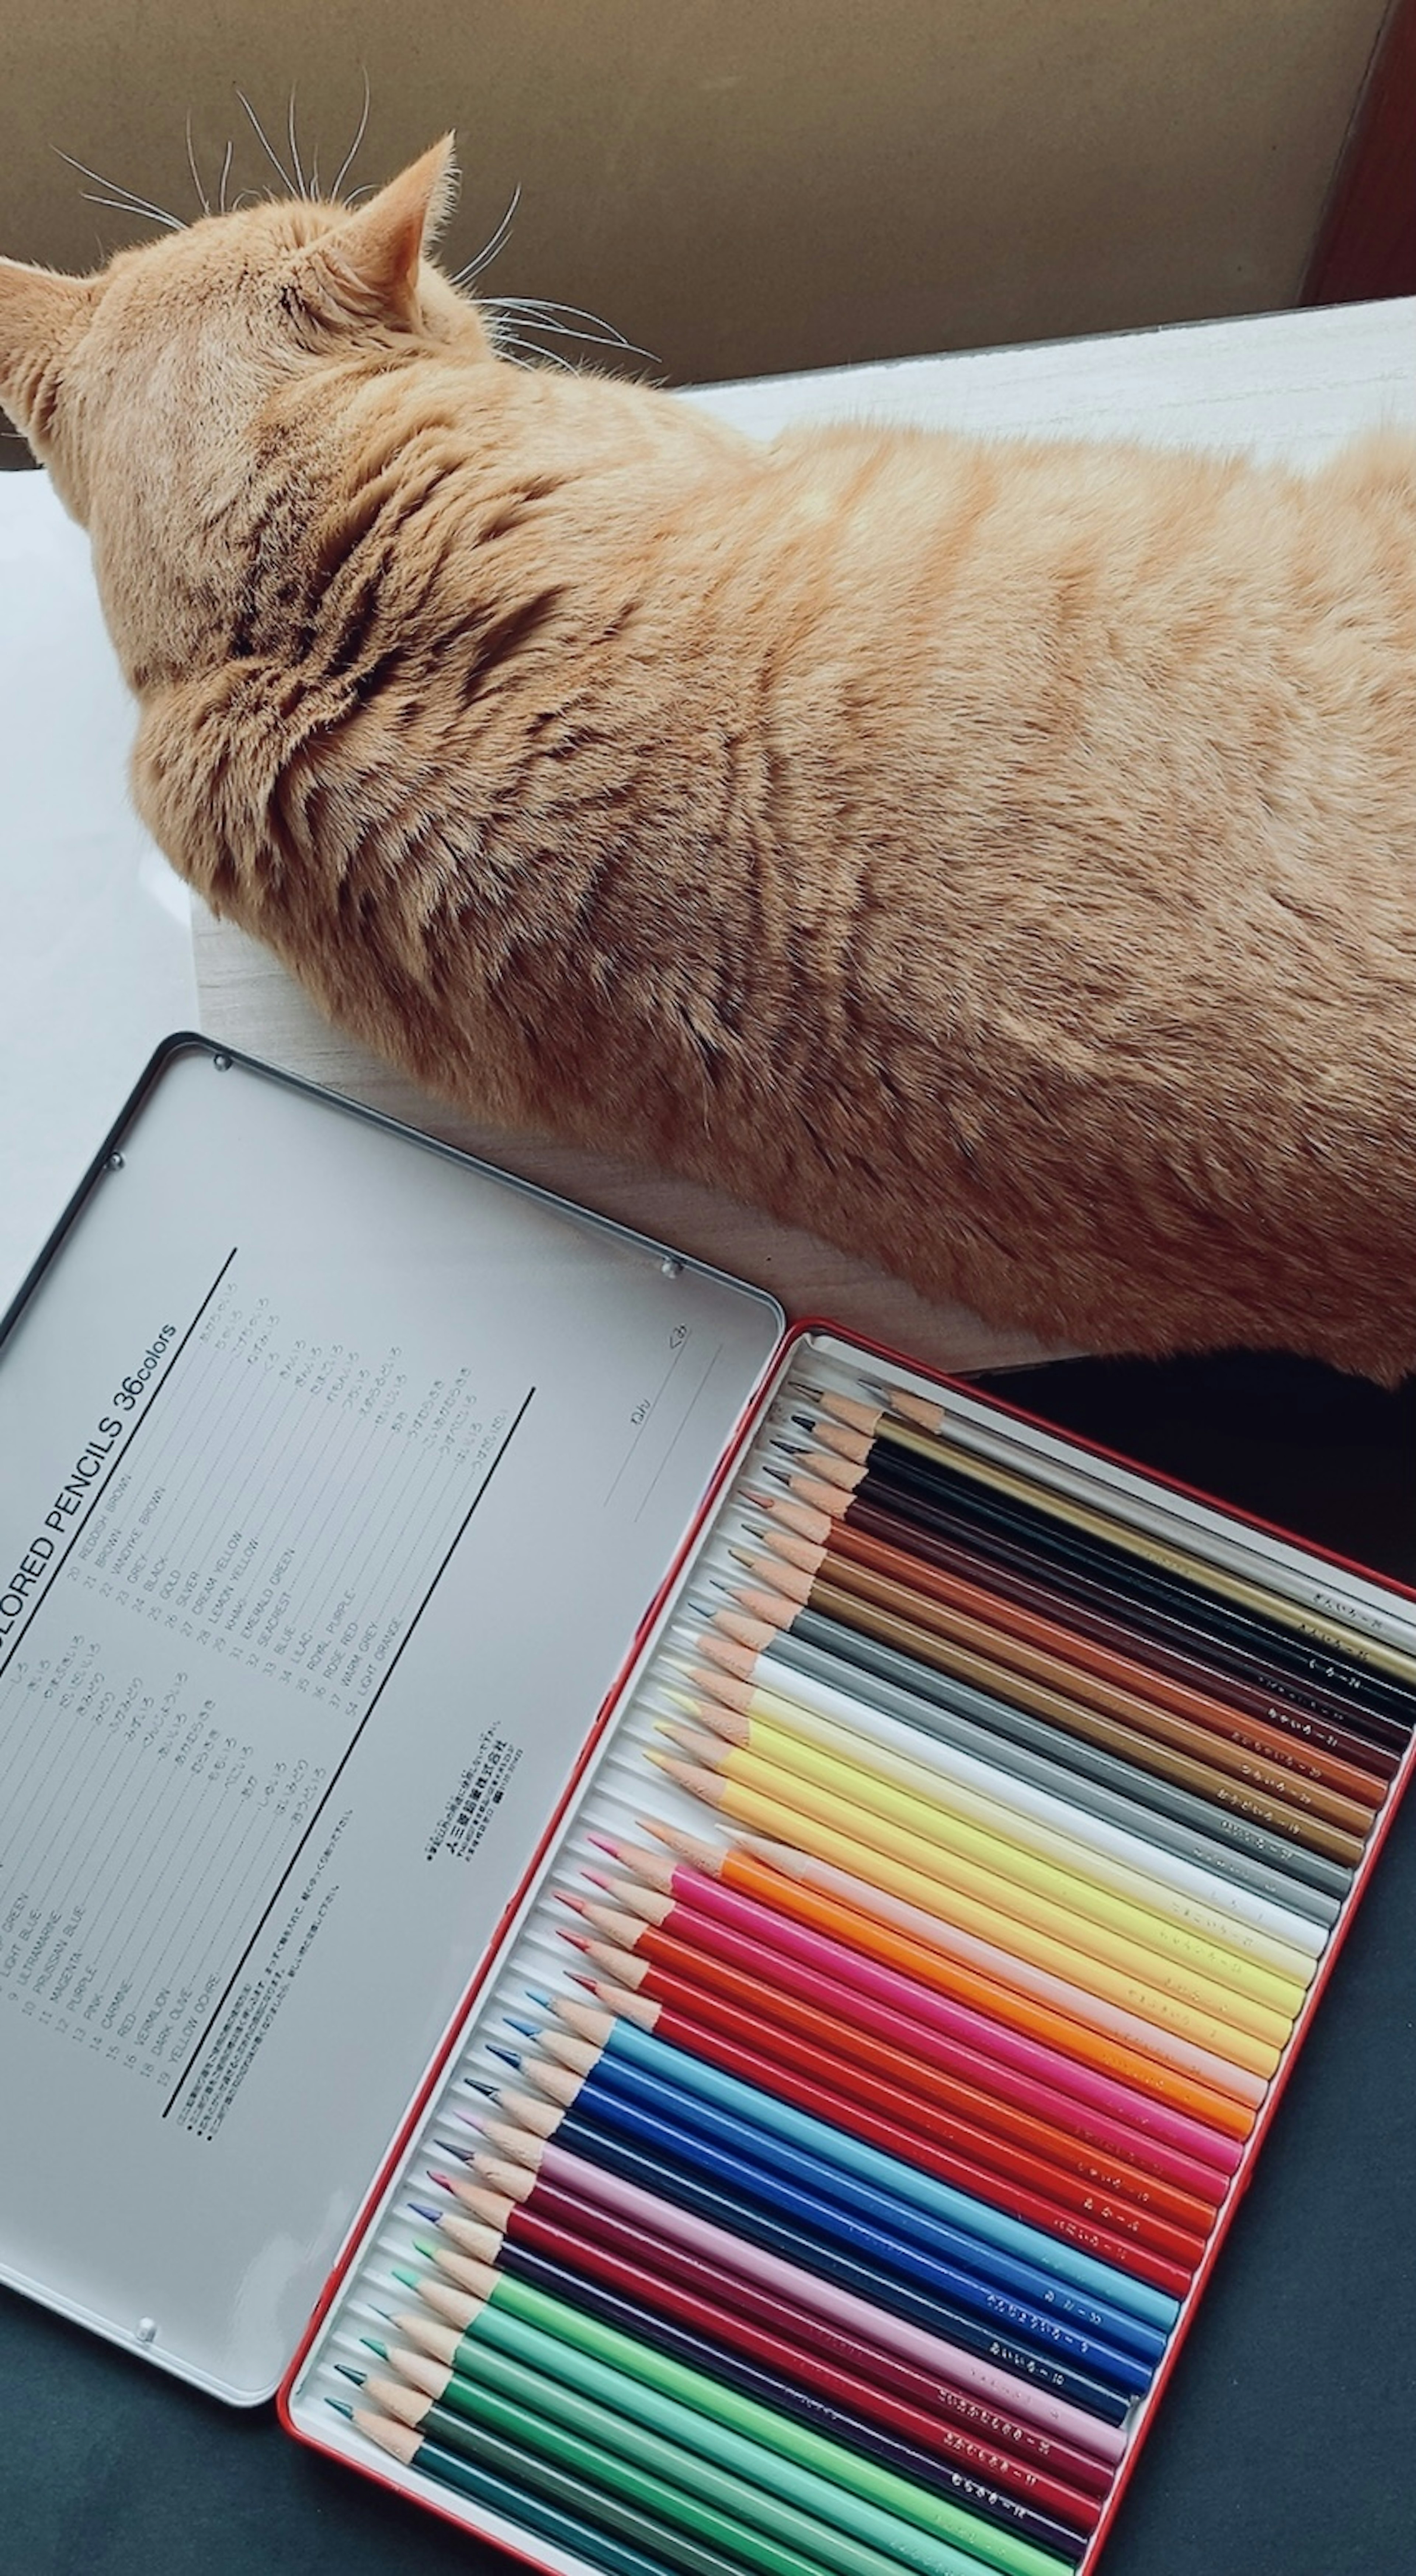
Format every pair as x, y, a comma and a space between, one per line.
995, 2124
783, 2059
1010, 2076
1033, 2461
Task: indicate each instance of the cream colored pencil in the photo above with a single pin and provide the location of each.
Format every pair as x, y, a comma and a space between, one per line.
1050, 1971
999, 1803
998, 1887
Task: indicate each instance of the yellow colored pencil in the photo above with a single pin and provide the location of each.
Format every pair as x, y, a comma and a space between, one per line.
1021, 1847
1037, 1895
797, 1812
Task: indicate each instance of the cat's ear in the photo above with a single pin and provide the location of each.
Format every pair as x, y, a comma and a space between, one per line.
39, 315
368, 265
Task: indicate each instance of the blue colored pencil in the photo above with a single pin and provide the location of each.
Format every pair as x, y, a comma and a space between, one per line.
839, 2205
1122, 2309
676, 2165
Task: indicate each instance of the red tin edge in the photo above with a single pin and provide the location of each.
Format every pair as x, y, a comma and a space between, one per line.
786, 1350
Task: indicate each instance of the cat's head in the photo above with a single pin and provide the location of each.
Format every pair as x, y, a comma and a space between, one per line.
144, 388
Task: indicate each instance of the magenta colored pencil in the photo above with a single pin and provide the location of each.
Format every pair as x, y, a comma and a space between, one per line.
1196, 2153
662, 2219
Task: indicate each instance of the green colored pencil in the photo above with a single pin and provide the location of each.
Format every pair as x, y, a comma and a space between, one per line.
572, 2383
782, 2543
550, 2334
616, 2536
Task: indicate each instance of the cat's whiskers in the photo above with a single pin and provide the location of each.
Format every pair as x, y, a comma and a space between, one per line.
267, 147
225, 175
547, 305
490, 249
295, 148
531, 356
203, 199
621, 348
351, 156
122, 199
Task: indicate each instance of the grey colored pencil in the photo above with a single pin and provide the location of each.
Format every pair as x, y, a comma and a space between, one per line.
974, 1722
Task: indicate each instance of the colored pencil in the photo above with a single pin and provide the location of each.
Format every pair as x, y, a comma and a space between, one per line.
1272, 1798
1366, 1648
907, 2207
1219, 1835
881, 2037
1046, 2270
998, 1550
1291, 1635
1010, 1861
621, 2456
1072, 2200
1100, 1619
835, 2138
817, 2349
601, 2166
895, 2080
846, 2237
524, 2325
591, 2275
1153, 2096
870, 1537
1050, 1821
863, 1955
1161, 2097
1166, 1618
1158, 2065
1046, 1650
871, 1848
585, 2521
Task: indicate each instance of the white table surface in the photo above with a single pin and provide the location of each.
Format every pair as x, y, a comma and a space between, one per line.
96, 964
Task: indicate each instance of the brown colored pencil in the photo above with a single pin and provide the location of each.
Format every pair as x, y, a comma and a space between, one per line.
1248, 1791
895, 1576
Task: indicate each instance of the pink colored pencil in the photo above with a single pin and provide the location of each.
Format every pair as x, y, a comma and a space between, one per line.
663, 2220
1193, 2154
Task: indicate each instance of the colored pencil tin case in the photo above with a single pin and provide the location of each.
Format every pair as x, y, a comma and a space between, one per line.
953, 1828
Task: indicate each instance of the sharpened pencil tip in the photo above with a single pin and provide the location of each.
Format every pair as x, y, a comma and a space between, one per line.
346, 2370
503, 2056
340, 2407
409, 2280
371, 2343
433, 2216
479, 2084
523, 2029
442, 2180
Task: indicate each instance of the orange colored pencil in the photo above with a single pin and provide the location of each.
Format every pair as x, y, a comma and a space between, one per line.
743, 1870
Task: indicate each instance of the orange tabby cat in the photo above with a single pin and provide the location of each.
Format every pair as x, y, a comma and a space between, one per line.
1000, 859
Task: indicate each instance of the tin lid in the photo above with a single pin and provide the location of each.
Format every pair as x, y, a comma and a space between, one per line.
338, 1474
